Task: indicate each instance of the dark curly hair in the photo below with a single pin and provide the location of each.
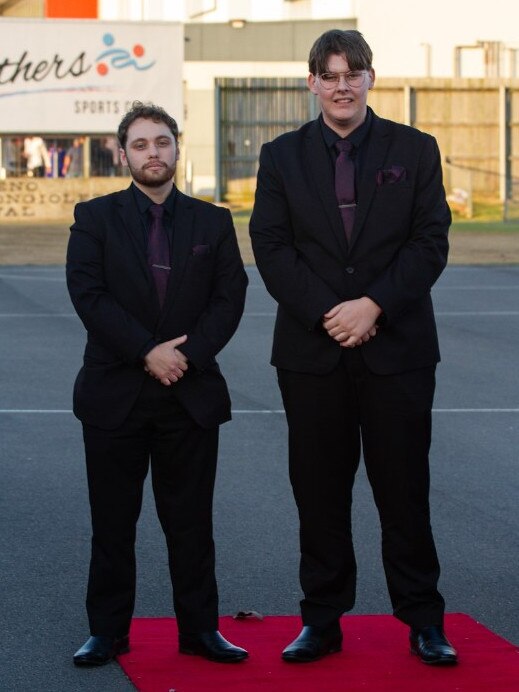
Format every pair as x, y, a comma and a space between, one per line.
148, 111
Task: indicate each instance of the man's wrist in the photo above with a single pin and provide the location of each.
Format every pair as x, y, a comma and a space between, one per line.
147, 348
378, 312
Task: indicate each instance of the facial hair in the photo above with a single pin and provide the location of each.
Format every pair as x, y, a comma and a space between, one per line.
142, 176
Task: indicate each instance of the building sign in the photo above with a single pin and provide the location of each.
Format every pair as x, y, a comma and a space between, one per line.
50, 199
80, 76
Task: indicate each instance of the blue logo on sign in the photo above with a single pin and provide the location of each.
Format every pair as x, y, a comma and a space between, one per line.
120, 58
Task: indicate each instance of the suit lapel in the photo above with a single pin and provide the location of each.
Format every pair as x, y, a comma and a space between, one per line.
183, 221
373, 160
318, 163
132, 225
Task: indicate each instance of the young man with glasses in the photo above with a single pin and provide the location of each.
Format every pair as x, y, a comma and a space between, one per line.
349, 231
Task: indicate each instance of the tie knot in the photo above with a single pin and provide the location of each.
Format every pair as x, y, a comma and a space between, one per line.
157, 211
342, 145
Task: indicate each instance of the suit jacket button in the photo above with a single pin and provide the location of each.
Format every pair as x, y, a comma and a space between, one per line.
350, 270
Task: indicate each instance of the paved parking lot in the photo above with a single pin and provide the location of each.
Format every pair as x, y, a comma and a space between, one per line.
44, 535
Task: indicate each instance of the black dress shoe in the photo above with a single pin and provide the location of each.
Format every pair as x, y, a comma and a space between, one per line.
313, 643
97, 651
210, 645
432, 646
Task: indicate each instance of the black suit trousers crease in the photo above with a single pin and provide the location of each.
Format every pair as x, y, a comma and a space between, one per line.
330, 419
182, 455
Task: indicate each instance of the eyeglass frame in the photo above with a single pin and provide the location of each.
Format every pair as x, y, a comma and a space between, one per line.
337, 79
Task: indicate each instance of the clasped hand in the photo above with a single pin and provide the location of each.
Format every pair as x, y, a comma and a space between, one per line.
165, 362
352, 322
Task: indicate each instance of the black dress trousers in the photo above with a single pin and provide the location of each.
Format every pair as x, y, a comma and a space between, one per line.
182, 455
331, 418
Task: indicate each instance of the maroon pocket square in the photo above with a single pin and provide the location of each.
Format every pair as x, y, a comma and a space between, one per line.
387, 176
201, 250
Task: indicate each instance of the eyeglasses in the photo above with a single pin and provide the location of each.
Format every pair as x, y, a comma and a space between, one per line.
330, 80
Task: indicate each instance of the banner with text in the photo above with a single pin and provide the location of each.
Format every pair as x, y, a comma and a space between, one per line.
81, 76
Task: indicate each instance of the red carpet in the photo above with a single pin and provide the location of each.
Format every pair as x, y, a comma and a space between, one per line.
487, 662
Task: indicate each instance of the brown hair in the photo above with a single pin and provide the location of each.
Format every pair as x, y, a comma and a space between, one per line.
349, 42
148, 111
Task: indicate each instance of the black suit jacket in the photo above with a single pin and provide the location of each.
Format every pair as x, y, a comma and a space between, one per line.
114, 295
399, 245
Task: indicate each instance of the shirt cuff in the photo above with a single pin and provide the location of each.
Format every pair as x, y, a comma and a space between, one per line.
147, 348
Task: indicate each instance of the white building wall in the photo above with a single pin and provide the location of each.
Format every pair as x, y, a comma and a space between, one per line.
142, 10
272, 10
402, 33
224, 10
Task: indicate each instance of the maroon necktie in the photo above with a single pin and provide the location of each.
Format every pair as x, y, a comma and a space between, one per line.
158, 251
345, 185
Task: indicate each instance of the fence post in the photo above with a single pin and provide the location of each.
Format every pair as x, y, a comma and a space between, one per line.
409, 105
504, 144
470, 203
218, 143
86, 156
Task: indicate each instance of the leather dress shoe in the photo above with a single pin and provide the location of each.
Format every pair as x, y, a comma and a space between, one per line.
97, 651
313, 643
210, 645
432, 646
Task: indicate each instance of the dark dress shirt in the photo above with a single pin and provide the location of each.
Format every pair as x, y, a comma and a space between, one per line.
357, 138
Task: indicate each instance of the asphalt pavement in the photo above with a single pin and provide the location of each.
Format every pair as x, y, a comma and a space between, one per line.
44, 516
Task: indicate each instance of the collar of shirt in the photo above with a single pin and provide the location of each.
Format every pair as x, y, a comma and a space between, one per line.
356, 137
144, 203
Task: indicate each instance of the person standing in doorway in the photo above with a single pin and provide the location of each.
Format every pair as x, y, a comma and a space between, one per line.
36, 156
158, 282
349, 230
73, 161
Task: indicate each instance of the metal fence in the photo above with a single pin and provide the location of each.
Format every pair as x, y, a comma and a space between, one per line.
476, 123
250, 112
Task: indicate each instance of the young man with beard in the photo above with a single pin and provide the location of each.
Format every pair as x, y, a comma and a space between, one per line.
158, 282
349, 230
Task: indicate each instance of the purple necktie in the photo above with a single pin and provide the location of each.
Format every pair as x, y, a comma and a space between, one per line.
345, 185
158, 251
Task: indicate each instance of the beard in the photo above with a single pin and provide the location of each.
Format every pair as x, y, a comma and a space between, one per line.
150, 178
